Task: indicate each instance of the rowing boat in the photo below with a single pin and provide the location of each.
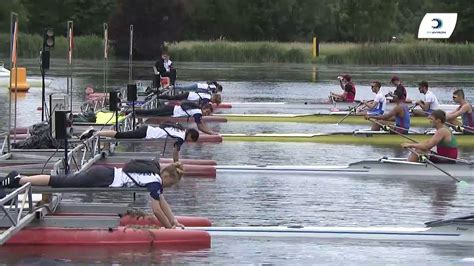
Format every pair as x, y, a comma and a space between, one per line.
319, 118
378, 138
458, 230
382, 168
343, 106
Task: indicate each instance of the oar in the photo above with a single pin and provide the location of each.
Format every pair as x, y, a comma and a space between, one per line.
412, 140
391, 129
456, 127
351, 110
425, 159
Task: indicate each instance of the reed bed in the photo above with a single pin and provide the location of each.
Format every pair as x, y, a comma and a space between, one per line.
413, 53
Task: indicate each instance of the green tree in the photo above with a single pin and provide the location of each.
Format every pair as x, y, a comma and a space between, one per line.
88, 15
155, 22
8, 6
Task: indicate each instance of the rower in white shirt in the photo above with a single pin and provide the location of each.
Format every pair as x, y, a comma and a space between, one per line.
429, 104
376, 106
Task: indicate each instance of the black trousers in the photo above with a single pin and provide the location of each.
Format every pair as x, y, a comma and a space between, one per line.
166, 110
96, 176
182, 96
139, 133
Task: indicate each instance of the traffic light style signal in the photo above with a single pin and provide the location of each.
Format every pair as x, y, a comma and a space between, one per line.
114, 101
48, 38
62, 124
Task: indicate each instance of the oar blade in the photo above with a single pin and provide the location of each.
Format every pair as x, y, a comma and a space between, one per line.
463, 184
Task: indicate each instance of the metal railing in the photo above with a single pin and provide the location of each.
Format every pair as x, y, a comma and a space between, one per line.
13, 213
81, 157
5, 142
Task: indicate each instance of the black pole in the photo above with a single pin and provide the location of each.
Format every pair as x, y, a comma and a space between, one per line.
66, 165
43, 95
116, 121
133, 115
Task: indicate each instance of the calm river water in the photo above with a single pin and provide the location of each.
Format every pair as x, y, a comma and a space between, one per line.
244, 199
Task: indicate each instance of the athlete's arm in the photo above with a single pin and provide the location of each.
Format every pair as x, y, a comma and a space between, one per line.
169, 214
160, 213
371, 105
203, 127
427, 145
457, 112
175, 154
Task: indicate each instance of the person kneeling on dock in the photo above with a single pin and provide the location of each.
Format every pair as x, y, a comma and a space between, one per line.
349, 90
163, 131
200, 96
135, 173
400, 112
464, 110
375, 107
185, 109
443, 139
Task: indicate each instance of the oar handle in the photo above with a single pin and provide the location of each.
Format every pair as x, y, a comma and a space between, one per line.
425, 159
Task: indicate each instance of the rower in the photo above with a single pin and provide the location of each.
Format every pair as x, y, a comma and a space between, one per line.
429, 104
163, 131
375, 107
400, 112
443, 139
349, 90
135, 173
201, 96
464, 110
185, 109
398, 88
212, 86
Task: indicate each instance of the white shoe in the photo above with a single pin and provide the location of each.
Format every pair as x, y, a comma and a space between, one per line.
87, 134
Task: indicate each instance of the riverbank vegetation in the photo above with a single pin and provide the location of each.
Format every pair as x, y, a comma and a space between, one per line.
410, 52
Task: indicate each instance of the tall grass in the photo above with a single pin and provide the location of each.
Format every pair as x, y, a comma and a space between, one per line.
254, 52
85, 47
417, 53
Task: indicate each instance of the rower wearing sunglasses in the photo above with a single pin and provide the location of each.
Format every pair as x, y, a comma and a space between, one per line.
464, 110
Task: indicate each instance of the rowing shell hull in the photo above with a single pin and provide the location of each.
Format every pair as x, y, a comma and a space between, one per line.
312, 118
464, 141
342, 106
383, 168
451, 234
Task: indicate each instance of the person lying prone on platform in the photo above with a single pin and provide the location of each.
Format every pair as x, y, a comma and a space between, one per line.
212, 86
185, 109
399, 113
135, 173
172, 130
200, 96
443, 139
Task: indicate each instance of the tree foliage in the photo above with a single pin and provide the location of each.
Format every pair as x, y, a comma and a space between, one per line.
157, 21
